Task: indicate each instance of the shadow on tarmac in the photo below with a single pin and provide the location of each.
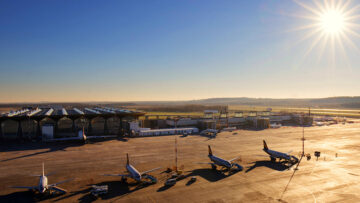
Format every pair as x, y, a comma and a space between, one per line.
212, 175
52, 147
190, 182
165, 187
279, 166
27, 196
115, 189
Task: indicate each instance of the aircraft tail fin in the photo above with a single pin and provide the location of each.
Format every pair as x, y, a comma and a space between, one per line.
265, 145
210, 152
43, 171
127, 159
83, 134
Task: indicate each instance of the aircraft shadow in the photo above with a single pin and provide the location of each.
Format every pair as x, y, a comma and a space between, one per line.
122, 139
165, 187
211, 175
87, 190
115, 189
27, 196
279, 166
190, 182
52, 147
34, 146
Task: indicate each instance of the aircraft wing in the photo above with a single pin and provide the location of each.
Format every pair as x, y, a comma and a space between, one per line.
204, 163
58, 189
121, 175
55, 184
24, 187
231, 160
49, 174
263, 155
150, 170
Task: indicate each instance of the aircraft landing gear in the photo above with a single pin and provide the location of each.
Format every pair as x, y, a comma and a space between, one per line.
273, 159
213, 167
123, 179
237, 167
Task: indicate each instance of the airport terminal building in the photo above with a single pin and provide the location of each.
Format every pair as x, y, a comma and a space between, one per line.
28, 122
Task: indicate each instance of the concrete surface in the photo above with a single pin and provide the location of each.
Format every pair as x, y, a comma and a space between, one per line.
330, 179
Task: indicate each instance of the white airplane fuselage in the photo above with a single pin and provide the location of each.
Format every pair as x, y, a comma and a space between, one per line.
134, 174
275, 154
43, 184
219, 161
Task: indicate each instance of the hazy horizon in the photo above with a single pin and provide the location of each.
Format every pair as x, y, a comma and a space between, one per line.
144, 101
121, 51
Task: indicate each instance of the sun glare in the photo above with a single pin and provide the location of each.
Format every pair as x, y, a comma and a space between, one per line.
332, 27
332, 21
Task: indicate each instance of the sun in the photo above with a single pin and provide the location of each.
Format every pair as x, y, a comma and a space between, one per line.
332, 21
331, 27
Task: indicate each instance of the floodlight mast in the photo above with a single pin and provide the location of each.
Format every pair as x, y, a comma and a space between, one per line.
303, 138
176, 158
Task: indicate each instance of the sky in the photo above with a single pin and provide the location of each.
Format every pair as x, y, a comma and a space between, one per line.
119, 50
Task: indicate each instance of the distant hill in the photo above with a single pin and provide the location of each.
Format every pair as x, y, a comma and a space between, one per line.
330, 102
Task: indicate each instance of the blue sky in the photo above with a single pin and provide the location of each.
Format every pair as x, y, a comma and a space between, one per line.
117, 50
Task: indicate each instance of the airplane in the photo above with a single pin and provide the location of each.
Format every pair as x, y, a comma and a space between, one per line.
133, 173
43, 186
274, 155
216, 161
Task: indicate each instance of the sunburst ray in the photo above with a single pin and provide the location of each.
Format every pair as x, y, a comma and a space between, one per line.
330, 25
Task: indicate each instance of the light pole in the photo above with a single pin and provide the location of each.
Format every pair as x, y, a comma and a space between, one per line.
176, 119
303, 138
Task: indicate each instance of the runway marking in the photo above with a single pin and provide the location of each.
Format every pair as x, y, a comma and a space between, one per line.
291, 178
312, 194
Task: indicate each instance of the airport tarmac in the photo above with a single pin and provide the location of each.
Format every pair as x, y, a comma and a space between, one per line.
333, 178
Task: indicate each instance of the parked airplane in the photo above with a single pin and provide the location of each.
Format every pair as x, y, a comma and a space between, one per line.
133, 173
43, 185
274, 155
216, 161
